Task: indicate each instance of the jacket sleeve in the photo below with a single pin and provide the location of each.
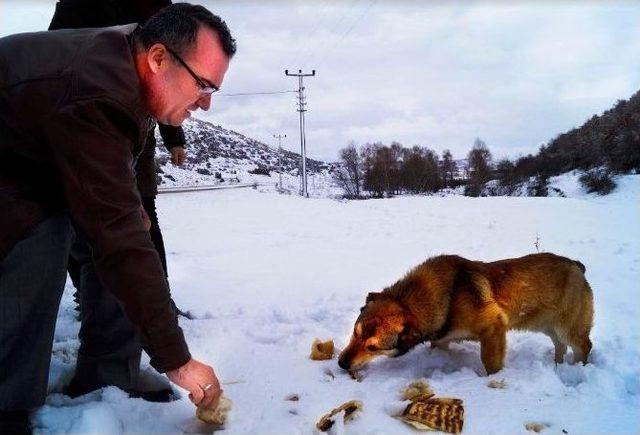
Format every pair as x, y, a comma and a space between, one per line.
171, 136
91, 142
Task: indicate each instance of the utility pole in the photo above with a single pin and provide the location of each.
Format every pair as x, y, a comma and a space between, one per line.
301, 109
280, 137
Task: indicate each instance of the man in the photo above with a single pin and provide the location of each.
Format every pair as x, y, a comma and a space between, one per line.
75, 109
76, 14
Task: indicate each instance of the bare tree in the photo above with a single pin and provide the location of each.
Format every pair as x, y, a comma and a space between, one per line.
447, 168
506, 173
479, 167
350, 174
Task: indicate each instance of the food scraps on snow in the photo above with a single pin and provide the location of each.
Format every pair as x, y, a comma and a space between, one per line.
497, 383
321, 350
349, 408
438, 413
417, 390
426, 412
218, 415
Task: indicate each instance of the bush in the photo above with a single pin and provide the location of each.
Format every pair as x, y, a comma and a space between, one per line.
540, 186
599, 181
473, 189
260, 170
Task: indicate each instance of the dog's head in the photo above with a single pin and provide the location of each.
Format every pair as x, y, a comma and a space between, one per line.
384, 327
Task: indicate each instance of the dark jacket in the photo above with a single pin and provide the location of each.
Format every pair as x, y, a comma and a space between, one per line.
76, 14
71, 122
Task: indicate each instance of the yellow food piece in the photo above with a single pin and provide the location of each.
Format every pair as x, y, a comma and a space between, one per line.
536, 427
218, 415
321, 350
495, 383
417, 390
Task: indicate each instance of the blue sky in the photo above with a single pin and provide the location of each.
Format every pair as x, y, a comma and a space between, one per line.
434, 74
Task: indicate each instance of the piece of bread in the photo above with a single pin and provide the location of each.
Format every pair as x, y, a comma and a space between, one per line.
417, 390
218, 415
321, 350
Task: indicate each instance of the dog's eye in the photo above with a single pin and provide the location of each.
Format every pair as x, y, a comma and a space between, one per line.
372, 348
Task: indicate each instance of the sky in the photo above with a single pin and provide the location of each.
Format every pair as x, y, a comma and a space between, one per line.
436, 74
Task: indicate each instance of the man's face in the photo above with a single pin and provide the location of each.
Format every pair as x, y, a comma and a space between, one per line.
172, 92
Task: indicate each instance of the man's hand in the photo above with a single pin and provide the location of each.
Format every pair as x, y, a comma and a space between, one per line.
145, 218
178, 155
200, 380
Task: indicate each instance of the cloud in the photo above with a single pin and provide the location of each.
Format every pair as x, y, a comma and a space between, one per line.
435, 73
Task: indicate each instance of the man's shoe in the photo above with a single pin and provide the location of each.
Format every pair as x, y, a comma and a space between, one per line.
160, 396
77, 389
15, 423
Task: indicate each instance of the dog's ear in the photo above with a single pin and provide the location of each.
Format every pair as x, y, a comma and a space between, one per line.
372, 297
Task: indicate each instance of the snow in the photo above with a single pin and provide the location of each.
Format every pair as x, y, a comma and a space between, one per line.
265, 274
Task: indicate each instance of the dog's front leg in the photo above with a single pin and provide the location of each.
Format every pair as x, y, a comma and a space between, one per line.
493, 347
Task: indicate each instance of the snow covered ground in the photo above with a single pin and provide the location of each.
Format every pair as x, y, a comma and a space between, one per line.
265, 274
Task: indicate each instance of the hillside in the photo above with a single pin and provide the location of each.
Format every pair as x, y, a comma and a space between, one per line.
216, 155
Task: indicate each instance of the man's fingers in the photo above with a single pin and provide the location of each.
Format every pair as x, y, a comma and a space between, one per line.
196, 395
178, 156
211, 396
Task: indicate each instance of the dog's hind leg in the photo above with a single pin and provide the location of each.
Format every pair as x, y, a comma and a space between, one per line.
559, 345
493, 350
493, 340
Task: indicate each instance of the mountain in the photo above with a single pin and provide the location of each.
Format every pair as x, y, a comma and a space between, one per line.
217, 155
610, 140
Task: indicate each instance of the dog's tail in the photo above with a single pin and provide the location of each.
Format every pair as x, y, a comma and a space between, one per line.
580, 265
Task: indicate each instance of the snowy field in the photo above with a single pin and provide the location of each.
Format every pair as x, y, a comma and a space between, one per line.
266, 274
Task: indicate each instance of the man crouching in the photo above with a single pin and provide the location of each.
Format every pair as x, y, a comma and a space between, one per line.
75, 109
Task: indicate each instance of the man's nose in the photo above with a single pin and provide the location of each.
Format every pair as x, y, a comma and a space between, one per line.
204, 102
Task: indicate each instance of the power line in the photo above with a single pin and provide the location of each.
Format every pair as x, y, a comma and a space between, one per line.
302, 47
347, 32
344, 18
244, 94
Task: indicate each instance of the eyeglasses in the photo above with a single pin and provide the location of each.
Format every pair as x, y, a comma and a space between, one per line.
206, 88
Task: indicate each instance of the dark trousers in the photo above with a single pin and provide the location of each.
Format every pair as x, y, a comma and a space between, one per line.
32, 279
149, 204
110, 348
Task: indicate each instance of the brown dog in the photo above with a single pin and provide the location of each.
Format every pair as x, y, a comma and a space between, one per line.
449, 298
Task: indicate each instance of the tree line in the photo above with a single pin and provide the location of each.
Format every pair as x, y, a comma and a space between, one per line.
603, 146
378, 170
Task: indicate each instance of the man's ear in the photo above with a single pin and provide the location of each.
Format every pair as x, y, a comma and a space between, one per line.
157, 56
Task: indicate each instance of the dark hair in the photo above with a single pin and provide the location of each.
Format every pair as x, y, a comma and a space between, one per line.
176, 26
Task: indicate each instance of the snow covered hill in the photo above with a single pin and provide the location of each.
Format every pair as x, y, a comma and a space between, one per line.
217, 156
265, 274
